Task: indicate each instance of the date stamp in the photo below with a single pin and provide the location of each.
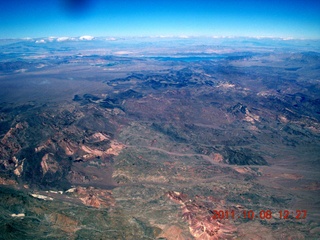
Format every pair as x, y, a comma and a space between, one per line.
262, 214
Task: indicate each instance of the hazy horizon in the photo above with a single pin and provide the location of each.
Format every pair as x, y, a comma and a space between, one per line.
277, 19
163, 37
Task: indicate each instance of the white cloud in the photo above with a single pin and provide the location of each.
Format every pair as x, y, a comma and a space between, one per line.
88, 38
51, 39
62, 39
122, 52
27, 39
164, 36
288, 38
41, 41
111, 39
161, 36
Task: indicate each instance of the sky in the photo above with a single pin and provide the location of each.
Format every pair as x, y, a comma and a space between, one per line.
247, 18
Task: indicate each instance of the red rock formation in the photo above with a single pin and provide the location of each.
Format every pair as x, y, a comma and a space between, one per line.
97, 198
199, 217
4, 181
177, 197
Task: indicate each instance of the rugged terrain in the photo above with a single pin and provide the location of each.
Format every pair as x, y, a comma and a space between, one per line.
132, 140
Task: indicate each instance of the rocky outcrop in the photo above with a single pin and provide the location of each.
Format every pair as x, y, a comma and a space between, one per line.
10, 145
114, 149
198, 214
19, 168
93, 197
48, 163
4, 181
98, 137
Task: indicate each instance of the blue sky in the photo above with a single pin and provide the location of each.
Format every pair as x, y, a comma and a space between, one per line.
31, 18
